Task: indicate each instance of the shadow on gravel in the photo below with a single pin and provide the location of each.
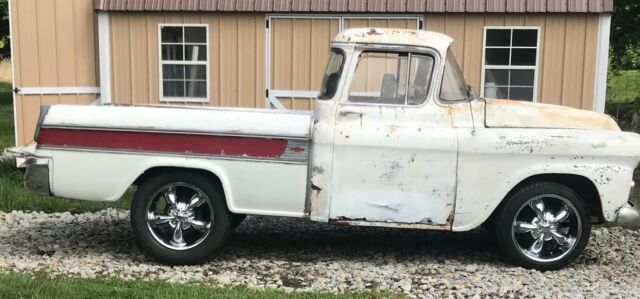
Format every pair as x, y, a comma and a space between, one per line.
305, 241
293, 240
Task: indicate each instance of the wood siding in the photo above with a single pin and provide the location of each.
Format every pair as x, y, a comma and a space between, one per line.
236, 57
567, 51
54, 45
299, 53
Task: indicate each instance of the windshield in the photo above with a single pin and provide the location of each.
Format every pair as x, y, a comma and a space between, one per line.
454, 87
332, 75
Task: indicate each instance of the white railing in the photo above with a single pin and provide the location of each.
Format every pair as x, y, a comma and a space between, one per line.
273, 99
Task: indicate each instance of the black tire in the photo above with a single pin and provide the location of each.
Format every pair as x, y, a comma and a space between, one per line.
217, 232
511, 239
236, 220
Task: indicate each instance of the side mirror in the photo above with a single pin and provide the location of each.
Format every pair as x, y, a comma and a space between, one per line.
470, 94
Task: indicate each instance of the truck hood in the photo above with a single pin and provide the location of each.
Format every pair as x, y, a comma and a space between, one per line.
517, 114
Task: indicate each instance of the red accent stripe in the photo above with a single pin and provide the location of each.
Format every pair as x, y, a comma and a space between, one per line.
164, 142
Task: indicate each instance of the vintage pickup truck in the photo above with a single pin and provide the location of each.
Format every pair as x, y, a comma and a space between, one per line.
397, 139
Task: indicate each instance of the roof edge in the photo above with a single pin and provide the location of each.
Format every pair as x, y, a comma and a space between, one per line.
359, 6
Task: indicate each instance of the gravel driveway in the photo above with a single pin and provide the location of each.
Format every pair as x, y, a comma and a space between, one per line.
301, 255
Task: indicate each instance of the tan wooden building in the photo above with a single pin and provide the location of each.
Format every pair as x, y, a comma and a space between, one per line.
271, 53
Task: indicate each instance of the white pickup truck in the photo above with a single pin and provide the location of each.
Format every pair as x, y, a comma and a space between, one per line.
397, 139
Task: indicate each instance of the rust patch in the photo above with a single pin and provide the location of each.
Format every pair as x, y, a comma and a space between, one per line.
315, 188
373, 31
318, 169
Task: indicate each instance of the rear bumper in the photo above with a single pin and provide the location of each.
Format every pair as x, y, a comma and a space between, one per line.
629, 216
37, 175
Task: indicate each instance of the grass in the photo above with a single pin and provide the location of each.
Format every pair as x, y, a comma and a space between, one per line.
20, 285
623, 87
6, 116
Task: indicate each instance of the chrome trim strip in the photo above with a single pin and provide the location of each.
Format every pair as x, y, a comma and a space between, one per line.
147, 130
201, 156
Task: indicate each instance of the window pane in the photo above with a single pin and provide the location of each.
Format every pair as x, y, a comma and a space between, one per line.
525, 37
498, 37
523, 57
376, 79
521, 93
171, 34
196, 53
196, 72
195, 34
495, 92
170, 71
497, 57
522, 77
454, 87
172, 52
173, 88
332, 75
496, 77
196, 89
419, 79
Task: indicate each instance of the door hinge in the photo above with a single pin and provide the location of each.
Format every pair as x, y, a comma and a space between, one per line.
267, 23
16, 90
266, 92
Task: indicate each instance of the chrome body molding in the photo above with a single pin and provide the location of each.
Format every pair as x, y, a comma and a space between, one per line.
186, 155
37, 175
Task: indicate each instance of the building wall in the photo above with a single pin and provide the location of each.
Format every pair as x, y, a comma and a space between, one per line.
236, 66
566, 66
54, 45
567, 51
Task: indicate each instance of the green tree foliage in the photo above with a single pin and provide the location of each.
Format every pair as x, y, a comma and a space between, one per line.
5, 48
625, 35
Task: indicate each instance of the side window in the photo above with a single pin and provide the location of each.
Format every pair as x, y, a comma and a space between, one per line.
183, 63
510, 63
454, 87
332, 75
391, 78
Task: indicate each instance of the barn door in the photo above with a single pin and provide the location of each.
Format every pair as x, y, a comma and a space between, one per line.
297, 51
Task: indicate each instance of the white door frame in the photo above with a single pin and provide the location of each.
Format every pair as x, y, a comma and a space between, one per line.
271, 96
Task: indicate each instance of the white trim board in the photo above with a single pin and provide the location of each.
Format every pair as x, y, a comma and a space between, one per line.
602, 62
13, 78
104, 57
58, 90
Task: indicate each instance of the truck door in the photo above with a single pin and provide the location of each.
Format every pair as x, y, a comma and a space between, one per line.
395, 149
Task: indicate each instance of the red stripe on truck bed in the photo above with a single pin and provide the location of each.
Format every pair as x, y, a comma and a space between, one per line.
252, 147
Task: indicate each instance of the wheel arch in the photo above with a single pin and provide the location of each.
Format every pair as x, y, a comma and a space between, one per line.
578, 183
216, 178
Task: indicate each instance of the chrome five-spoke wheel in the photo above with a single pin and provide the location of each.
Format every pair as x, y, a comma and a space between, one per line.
546, 227
543, 225
179, 216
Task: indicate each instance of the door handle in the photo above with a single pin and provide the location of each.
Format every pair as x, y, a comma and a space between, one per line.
347, 113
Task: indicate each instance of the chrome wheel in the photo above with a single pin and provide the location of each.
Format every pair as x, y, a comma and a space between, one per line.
179, 216
546, 228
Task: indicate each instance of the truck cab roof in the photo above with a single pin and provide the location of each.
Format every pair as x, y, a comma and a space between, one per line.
418, 38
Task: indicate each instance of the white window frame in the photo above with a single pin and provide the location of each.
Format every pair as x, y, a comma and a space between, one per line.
162, 62
510, 67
